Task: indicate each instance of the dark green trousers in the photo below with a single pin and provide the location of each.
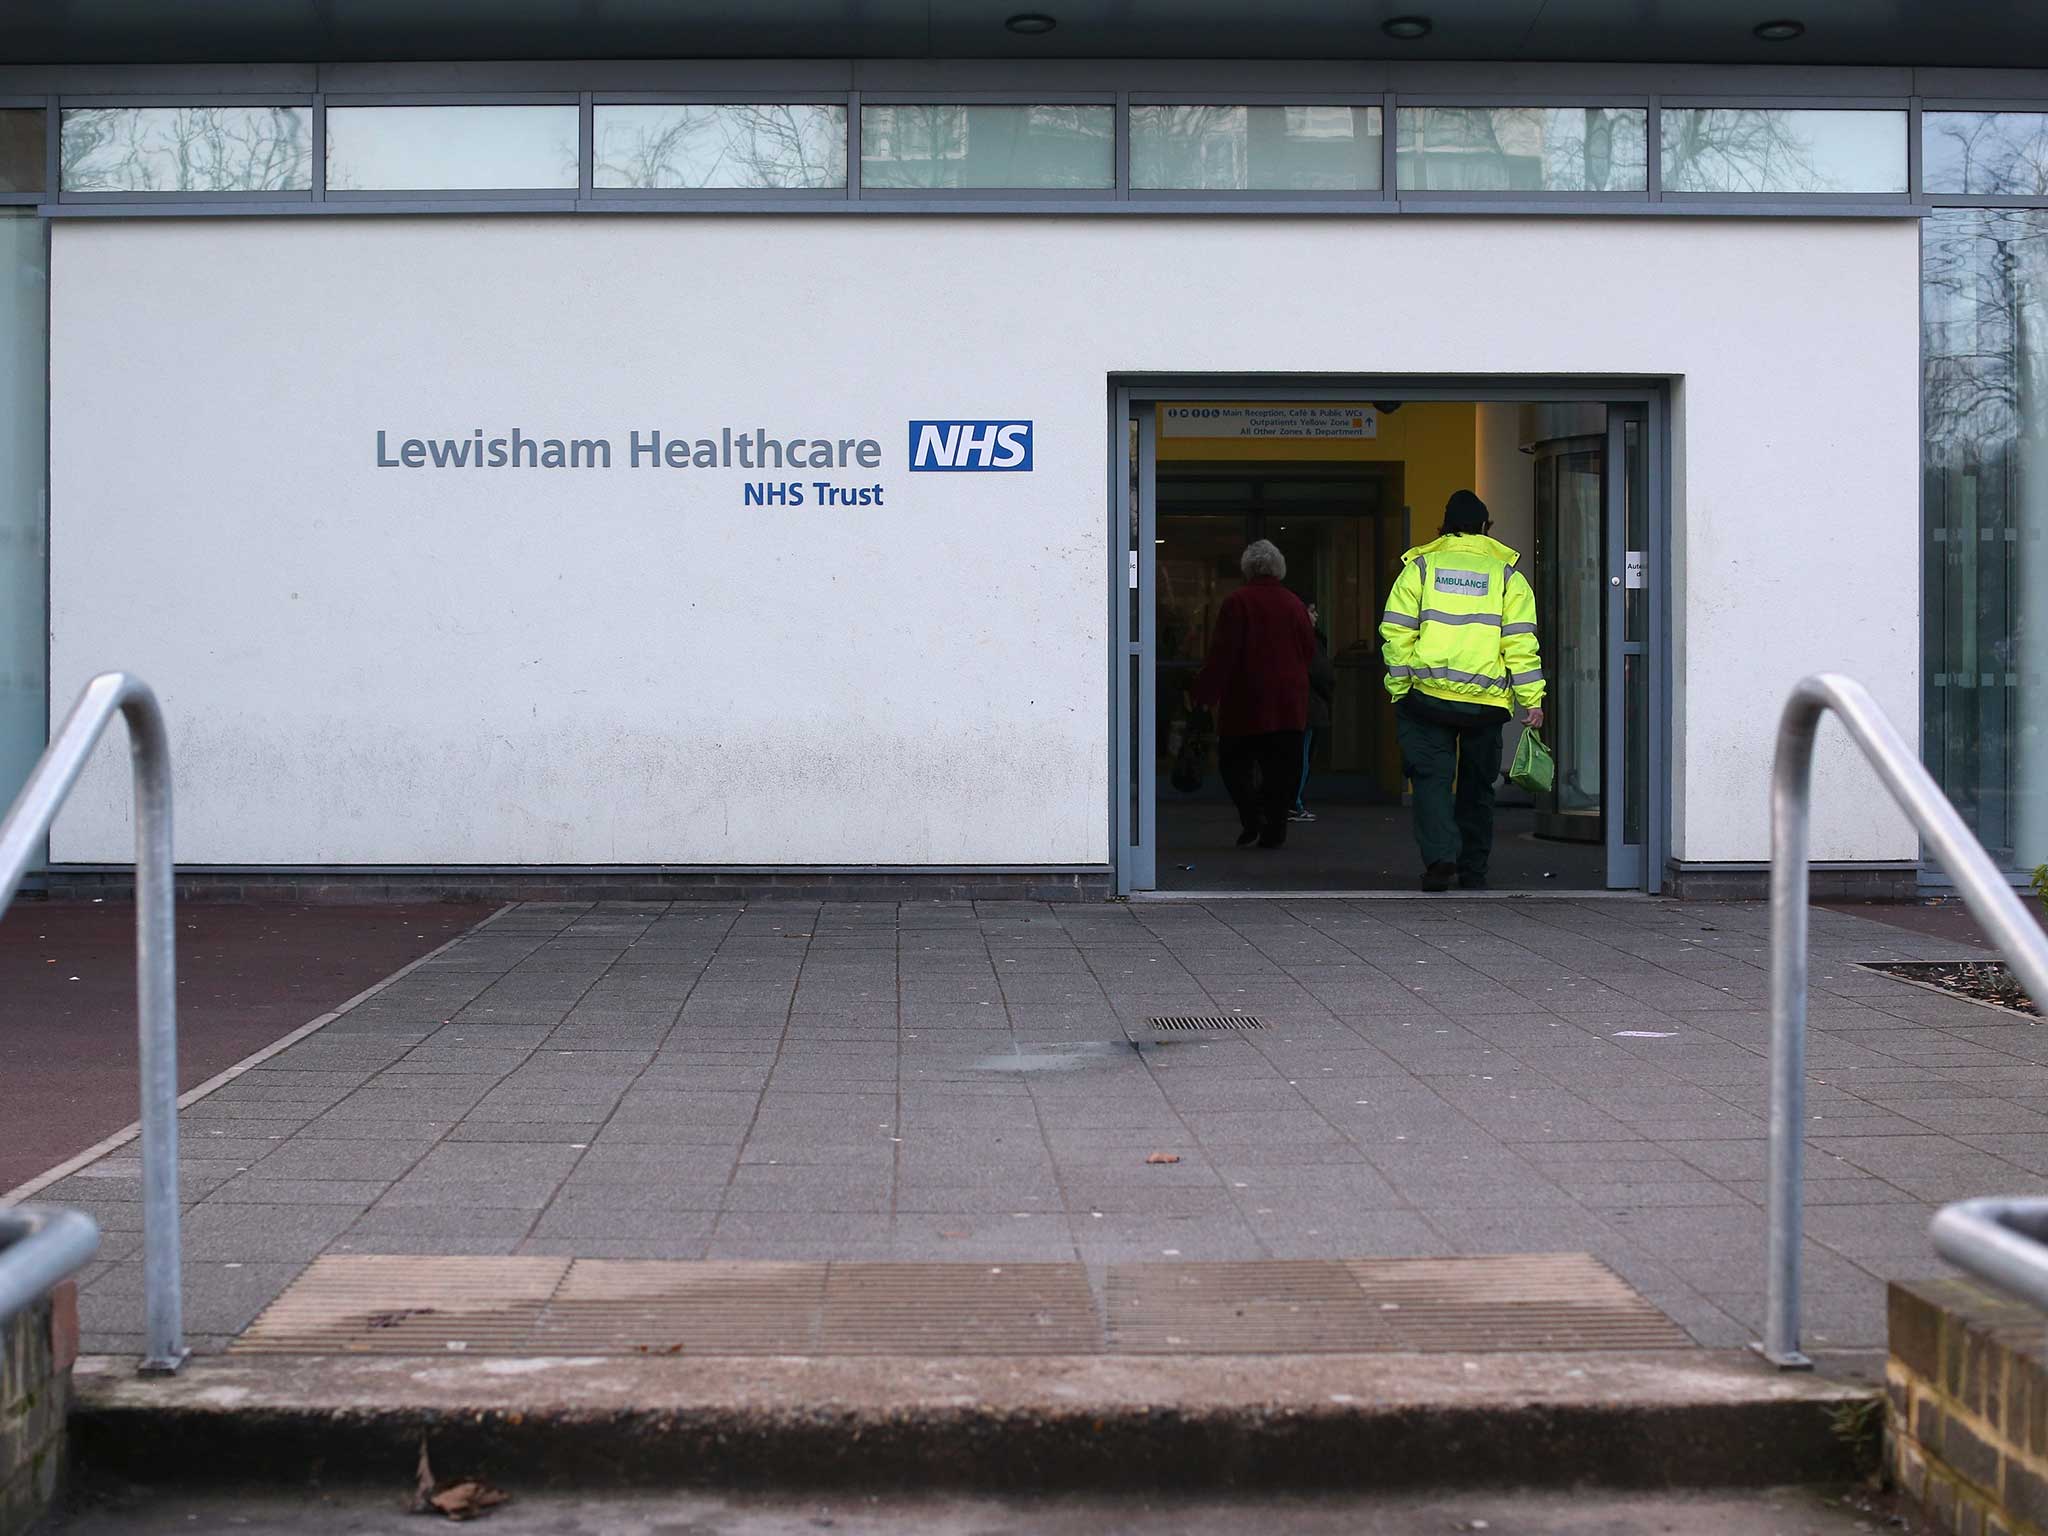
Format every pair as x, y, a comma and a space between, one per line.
1452, 765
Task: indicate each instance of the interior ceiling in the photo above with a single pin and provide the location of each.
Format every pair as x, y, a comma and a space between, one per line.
2003, 33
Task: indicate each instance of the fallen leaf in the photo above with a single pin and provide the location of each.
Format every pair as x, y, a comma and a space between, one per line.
466, 1501
1163, 1157
460, 1501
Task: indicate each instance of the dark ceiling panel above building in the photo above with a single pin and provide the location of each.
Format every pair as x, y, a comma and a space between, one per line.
1964, 33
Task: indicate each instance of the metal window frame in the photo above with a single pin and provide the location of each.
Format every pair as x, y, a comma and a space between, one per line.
1371, 100
400, 196
288, 197
594, 101
1078, 197
819, 84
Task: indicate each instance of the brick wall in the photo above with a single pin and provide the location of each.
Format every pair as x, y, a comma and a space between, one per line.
37, 1348
1967, 1407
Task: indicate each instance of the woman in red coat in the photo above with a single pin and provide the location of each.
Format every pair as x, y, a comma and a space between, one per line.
1256, 681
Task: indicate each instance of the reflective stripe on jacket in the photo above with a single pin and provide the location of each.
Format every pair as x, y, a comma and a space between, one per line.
1461, 624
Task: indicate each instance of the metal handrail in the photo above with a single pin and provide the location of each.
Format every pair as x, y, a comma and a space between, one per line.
156, 983
1989, 896
2001, 1239
41, 1245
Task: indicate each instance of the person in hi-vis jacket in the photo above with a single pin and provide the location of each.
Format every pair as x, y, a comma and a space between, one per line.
1459, 638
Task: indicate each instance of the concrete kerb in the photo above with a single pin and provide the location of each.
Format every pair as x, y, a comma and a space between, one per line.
1048, 1424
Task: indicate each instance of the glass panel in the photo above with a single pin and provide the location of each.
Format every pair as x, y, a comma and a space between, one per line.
1522, 149
771, 145
1985, 154
1178, 492
187, 149
1574, 664
1066, 148
1985, 732
24, 629
452, 149
1635, 673
1261, 149
1343, 492
1133, 554
21, 149
1777, 149
1569, 600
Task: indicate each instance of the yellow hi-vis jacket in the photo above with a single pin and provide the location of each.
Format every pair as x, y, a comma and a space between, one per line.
1460, 624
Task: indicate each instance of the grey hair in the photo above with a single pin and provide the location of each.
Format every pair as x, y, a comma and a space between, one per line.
1262, 557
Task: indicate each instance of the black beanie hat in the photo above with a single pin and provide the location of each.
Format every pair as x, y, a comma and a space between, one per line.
1464, 513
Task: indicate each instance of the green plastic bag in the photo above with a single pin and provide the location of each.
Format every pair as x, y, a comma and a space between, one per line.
1535, 769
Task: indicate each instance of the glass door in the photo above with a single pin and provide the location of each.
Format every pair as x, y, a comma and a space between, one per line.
1594, 595
1570, 610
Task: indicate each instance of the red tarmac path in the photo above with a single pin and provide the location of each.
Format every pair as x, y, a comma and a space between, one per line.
246, 975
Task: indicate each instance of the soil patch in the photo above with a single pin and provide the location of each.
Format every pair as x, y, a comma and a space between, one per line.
1982, 981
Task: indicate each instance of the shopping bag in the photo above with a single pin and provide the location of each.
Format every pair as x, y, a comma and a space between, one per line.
1191, 763
1535, 769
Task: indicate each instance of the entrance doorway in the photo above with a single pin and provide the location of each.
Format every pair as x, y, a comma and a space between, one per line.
1344, 488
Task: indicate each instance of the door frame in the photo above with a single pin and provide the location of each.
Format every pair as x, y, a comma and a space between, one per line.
1133, 509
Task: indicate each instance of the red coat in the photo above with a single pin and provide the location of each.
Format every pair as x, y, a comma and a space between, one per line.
1256, 677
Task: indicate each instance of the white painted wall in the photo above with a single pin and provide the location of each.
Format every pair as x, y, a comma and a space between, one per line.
376, 666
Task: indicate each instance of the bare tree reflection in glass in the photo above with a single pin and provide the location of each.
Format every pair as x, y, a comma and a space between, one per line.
1742, 149
187, 149
773, 145
1523, 149
1986, 154
1985, 306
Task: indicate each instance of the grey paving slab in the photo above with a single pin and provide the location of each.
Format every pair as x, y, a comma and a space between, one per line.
867, 1080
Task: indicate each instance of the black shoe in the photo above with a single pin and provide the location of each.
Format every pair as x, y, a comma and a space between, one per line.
1275, 839
1472, 883
1247, 837
1438, 876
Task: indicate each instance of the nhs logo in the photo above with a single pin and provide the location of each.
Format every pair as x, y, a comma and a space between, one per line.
970, 445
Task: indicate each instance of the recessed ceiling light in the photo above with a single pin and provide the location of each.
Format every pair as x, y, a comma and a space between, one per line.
1031, 23
1407, 28
1780, 31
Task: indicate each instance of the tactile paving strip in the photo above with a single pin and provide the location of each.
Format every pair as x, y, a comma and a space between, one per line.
358, 1304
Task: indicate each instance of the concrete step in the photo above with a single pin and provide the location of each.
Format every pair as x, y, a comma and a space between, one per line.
1669, 1418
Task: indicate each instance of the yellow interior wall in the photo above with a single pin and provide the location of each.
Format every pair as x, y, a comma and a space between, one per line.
1435, 442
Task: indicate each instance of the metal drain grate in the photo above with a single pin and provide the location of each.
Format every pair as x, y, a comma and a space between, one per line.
361, 1304
400, 1305
1191, 1026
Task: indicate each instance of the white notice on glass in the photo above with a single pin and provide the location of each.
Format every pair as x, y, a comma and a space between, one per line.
1356, 421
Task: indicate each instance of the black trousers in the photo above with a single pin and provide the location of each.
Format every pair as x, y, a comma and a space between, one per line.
1261, 772
1452, 768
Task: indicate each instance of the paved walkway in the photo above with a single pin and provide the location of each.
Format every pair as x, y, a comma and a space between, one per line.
950, 1082
246, 975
